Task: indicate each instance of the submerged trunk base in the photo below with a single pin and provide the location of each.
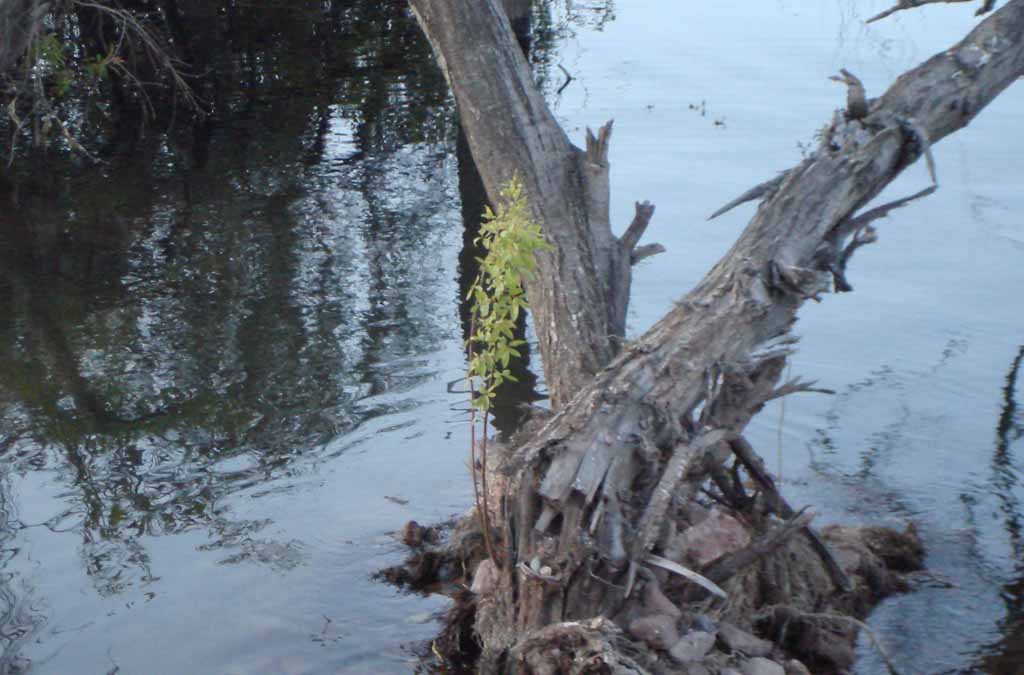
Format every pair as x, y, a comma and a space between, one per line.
783, 612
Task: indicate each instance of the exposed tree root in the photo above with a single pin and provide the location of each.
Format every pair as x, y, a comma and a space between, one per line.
783, 606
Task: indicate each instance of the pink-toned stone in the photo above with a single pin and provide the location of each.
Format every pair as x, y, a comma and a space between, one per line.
715, 536
657, 630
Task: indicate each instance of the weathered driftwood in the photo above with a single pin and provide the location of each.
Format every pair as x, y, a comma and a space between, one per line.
633, 438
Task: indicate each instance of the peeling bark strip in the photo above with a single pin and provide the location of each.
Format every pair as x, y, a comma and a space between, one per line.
579, 301
607, 481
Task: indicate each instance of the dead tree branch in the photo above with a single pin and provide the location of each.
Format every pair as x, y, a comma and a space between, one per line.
856, 96
728, 566
765, 189
912, 4
754, 466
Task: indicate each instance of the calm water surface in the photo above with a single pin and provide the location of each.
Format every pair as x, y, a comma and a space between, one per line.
225, 360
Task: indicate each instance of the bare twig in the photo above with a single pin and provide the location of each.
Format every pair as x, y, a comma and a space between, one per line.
729, 565
859, 222
794, 386
863, 234
756, 192
856, 97
646, 251
746, 454
631, 237
911, 4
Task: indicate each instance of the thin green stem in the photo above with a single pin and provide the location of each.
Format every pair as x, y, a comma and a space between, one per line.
483, 483
481, 504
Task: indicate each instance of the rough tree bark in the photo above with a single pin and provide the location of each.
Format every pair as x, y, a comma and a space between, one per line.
580, 306
637, 437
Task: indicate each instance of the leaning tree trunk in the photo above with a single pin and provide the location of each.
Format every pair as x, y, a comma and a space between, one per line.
579, 303
597, 495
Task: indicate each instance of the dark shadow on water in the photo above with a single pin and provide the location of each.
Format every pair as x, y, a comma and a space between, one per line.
204, 312
1006, 657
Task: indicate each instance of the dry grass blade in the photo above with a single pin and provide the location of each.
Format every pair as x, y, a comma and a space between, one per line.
676, 568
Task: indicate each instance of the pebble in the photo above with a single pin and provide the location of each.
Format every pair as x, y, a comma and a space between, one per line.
762, 666
692, 647
794, 667
741, 641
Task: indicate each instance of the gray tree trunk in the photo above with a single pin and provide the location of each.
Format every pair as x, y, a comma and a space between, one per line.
579, 304
636, 436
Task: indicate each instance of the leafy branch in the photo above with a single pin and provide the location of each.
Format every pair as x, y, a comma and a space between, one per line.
511, 240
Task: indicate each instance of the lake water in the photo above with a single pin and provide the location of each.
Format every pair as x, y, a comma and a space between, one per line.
226, 361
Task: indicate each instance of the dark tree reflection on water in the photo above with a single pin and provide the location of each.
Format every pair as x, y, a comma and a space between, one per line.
1007, 656
205, 310
194, 318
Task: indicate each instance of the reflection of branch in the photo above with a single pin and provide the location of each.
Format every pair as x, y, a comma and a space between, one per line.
568, 78
1005, 476
1006, 418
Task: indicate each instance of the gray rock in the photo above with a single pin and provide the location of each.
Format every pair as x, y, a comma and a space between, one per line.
742, 641
794, 667
762, 666
692, 647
